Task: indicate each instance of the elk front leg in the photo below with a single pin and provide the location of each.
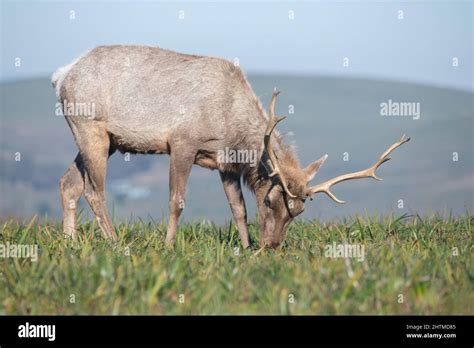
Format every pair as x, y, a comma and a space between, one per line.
233, 191
180, 167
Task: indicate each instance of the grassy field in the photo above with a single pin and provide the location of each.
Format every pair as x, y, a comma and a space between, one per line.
412, 265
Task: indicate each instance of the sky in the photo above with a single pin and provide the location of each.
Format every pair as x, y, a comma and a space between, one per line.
415, 41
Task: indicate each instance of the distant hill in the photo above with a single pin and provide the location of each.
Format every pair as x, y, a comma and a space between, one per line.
331, 115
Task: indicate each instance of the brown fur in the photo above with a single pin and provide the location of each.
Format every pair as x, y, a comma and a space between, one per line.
151, 100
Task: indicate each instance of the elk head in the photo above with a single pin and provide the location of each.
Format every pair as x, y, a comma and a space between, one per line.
282, 192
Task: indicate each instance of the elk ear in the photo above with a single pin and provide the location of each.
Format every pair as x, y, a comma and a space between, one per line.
313, 168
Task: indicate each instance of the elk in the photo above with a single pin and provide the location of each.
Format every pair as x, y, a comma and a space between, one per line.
150, 100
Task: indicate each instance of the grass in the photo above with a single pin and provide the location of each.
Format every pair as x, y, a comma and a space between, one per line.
407, 258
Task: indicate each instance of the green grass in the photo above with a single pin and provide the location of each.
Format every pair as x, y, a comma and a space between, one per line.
409, 256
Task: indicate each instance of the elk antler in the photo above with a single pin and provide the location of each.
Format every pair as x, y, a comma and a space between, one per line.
273, 162
367, 173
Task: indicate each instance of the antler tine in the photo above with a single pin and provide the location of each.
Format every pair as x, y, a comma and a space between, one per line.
273, 162
325, 187
273, 119
384, 157
271, 108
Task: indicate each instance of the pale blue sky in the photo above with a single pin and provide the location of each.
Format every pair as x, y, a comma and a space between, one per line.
419, 48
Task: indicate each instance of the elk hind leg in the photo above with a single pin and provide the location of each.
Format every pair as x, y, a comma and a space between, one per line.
95, 148
71, 187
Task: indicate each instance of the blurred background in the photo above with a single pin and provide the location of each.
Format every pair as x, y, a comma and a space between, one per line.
335, 63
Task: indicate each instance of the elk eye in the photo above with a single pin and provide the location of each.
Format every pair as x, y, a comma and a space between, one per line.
267, 201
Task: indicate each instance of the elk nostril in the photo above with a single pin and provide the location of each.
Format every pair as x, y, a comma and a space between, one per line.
267, 201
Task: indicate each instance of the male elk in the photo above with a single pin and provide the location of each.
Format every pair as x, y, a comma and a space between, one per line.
151, 100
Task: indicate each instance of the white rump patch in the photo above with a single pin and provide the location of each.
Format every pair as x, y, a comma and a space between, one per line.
59, 75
